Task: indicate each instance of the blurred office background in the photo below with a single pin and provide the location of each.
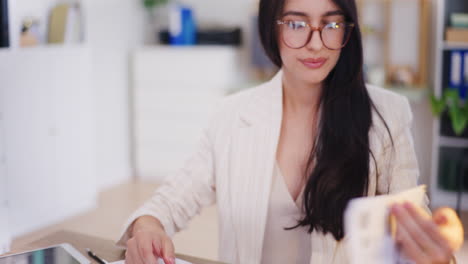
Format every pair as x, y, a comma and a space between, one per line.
101, 100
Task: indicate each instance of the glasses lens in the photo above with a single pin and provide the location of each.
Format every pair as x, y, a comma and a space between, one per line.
335, 35
295, 33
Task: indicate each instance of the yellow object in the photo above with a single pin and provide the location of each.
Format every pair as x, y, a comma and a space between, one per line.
58, 23
452, 230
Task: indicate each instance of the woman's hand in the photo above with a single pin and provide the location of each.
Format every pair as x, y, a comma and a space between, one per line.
148, 243
419, 238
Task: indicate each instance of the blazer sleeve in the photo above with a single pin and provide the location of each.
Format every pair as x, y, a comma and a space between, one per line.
401, 170
183, 195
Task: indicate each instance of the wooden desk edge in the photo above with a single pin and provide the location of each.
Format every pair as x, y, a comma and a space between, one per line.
105, 249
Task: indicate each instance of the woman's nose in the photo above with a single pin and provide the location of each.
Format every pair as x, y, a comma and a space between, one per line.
315, 41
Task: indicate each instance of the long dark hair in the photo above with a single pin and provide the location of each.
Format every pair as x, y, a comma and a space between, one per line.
341, 154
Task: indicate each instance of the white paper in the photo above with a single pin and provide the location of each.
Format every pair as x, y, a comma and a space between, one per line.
160, 261
368, 239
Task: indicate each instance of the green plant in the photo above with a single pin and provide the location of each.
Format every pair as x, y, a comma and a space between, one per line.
457, 109
150, 4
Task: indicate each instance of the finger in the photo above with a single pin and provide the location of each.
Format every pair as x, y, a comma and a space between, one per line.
145, 250
157, 247
409, 247
127, 258
132, 251
416, 227
168, 251
440, 247
131, 258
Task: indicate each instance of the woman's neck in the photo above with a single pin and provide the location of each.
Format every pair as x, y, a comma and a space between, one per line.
300, 97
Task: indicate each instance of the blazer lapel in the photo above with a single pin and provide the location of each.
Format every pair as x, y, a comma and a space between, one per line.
253, 153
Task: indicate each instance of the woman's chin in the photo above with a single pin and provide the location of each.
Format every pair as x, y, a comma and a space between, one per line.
314, 80
309, 77
313, 77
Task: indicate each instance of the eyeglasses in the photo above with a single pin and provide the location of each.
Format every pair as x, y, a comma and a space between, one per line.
334, 36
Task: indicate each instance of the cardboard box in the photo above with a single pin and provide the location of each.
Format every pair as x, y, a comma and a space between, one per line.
456, 34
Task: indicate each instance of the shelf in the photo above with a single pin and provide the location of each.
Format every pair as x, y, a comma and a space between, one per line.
453, 142
44, 48
161, 47
455, 45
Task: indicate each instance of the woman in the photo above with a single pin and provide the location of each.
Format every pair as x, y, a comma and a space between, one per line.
283, 159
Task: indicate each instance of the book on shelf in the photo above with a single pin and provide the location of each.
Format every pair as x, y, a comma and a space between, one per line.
65, 24
458, 76
465, 71
4, 32
453, 34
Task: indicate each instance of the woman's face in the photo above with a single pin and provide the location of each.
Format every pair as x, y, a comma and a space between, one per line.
313, 62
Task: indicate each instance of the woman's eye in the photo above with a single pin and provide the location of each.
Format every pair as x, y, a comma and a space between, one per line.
296, 24
334, 25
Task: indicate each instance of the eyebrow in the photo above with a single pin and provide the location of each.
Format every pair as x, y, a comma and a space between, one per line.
329, 13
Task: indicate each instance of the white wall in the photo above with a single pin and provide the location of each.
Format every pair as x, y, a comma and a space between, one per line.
404, 33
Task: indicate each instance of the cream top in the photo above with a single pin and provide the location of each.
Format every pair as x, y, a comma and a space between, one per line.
280, 245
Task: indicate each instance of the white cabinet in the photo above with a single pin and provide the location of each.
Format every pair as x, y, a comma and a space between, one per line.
175, 90
49, 131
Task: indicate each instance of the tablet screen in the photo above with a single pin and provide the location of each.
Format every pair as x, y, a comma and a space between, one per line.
54, 255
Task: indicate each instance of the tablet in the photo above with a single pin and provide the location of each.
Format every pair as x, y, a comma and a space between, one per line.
58, 254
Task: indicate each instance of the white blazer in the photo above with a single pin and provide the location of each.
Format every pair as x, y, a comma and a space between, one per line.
233, 167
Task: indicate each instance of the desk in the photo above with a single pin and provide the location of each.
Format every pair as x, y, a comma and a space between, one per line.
105, 249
